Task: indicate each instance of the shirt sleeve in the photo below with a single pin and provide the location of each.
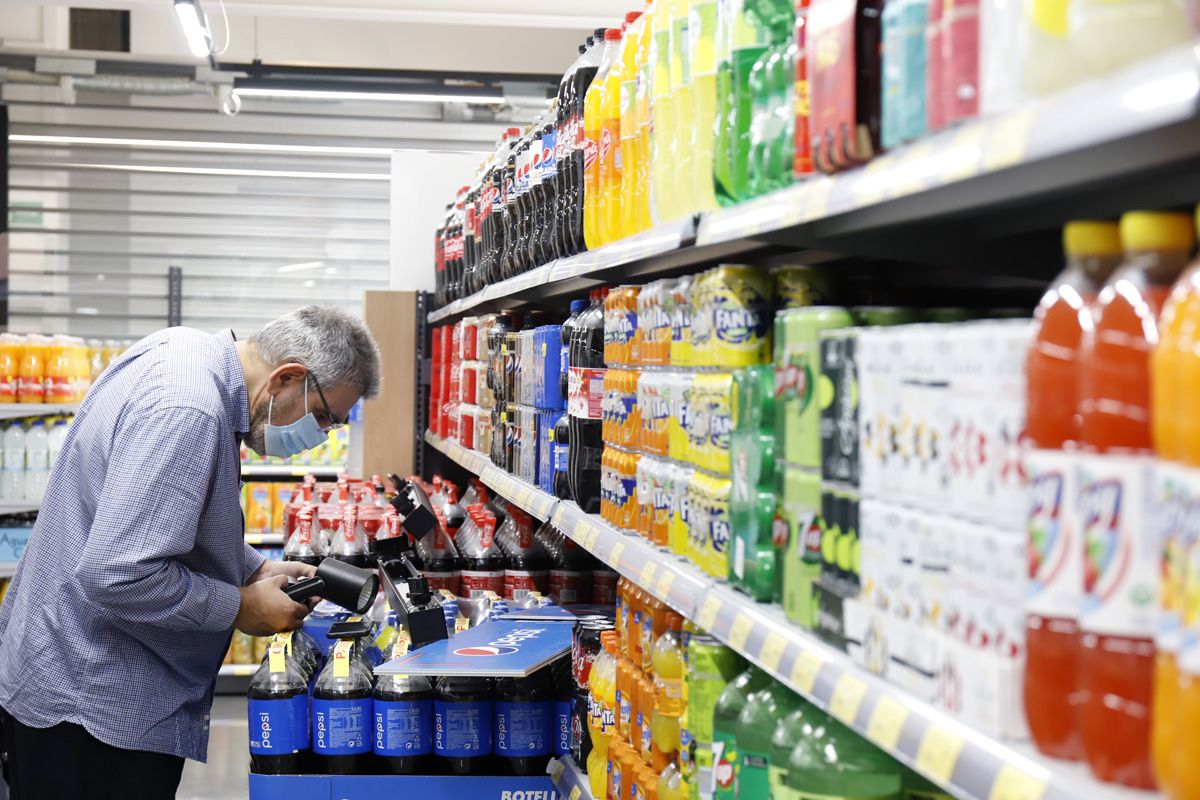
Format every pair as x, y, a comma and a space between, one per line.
147, 517
254, 560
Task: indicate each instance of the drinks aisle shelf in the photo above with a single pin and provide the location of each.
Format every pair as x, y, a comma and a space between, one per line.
22, 410
289, 471
569, 779
1138, 128
961, 759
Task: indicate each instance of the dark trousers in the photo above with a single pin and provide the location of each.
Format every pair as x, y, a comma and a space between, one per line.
65, 762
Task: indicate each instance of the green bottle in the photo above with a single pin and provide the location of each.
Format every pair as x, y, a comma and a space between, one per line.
916, 787
724, 742
711, 667
787, 733
755, 727
832, 762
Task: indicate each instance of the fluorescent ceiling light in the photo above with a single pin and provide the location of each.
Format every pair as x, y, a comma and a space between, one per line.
242, 173
366, 91
301, 266
175, 144
195, 27
386, 97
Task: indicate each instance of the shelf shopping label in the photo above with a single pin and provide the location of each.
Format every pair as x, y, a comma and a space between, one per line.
614, 555
739, 632
805, 669
771, 652
665, 581
886, 723
847, 697
938, 753
1015, 784
646, 578
708, 612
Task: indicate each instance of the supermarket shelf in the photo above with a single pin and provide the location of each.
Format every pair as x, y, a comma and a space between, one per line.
8, 569
21, 410
1128, 140
525, 495
569, 779
18, 507
963, 760
237, 670
265, 539
288, 471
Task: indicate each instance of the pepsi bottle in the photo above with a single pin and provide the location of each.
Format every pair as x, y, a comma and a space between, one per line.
564, 702
561, 458
341, 714
404, 724
525, 723
278, 714
462, 724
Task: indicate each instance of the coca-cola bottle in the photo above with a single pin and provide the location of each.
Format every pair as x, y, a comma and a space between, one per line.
470, 243
588, 66
526, 565
438, 558
511, 216
439, 256
482, 561
563, 143
303, 545
350, 542
570, 566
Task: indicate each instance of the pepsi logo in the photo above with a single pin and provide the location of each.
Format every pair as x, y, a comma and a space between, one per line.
485, 650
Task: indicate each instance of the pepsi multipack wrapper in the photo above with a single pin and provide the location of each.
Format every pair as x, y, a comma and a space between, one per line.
547, 357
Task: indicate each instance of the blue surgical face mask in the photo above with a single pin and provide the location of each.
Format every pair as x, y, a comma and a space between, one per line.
286, 441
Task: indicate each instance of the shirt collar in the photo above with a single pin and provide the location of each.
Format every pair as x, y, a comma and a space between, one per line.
234, 392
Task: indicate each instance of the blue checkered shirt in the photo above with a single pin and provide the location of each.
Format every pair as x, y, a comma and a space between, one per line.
123, 604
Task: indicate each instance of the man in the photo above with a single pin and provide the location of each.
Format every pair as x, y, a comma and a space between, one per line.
137, 570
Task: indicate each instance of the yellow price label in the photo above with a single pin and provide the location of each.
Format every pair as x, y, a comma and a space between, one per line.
805, 669
580, 531
1014, 784
575, 793
665, 581
772, 651
847, 698
938, 753
960, 160
646, 578
1008, 140
708, 612
817, 201
873, 181
886, 723
614, 555
912, 169
740, 632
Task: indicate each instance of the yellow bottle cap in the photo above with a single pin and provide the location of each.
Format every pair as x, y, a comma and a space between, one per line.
1091, 238
1157, 230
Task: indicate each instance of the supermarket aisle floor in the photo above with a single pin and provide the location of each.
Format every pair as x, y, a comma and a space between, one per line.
225, 776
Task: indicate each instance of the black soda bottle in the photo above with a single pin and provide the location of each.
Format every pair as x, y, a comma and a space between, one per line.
278, 714
404, 724
349, 544
560, 458
462, 724
303, 545
525, 714
584, 406
568, 330
341, 714
564, 703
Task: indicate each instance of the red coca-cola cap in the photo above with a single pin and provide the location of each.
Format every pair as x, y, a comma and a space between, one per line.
631, 17
612, 35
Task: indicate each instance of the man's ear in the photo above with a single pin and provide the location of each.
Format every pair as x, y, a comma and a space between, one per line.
284, 376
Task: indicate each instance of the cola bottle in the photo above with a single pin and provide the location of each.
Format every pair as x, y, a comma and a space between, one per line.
570, 567
524, 735
403, 711
561, 458
462, 724
438, 559
278, 713
439, 260
349, 544
498, 233
341, 714
302, 545
587, 370
526, 565
482, 561
508, 216
563, 144
584, 76
544, 220
568, 327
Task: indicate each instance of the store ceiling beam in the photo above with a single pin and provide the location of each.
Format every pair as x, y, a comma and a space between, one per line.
261, 70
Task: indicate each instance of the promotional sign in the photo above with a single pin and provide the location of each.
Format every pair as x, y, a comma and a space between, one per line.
501, 648
371, 787
560, 613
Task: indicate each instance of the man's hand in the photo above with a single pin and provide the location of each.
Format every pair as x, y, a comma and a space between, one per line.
291, 569
266, 610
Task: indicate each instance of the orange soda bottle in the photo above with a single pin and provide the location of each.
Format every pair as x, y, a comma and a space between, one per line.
31, 373
1054, 427
625, 690
646, 746
608, 225
1117, 659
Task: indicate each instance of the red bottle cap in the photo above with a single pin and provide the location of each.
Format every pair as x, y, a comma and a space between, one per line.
612, 35
631, 17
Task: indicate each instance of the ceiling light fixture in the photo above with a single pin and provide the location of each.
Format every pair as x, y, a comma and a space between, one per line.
301, 266
195, 27
175, 144
365, 91
237, 173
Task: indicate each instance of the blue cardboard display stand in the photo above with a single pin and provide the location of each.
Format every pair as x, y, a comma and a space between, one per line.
384, 787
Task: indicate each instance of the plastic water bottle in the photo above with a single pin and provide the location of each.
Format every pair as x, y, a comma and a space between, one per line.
12, 478
37, 461
57, 437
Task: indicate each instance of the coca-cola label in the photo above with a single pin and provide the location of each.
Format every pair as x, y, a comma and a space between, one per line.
519, 583
604, 587
606, 143
579, 137
488, 532
442, 580
585, 392
570, 586
561, 140
476, 584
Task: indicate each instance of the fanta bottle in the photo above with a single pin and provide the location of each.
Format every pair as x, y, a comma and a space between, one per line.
10, 362
31, 374
1175, 371
593, 127
602, 702
632, 160
611, 158
1093, 250
1121, 564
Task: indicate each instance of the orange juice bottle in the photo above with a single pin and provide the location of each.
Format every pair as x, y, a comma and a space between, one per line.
31, 374
10, 362
1117, 659
59, 377
609, 219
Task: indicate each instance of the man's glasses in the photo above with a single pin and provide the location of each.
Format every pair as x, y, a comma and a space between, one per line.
334, 422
